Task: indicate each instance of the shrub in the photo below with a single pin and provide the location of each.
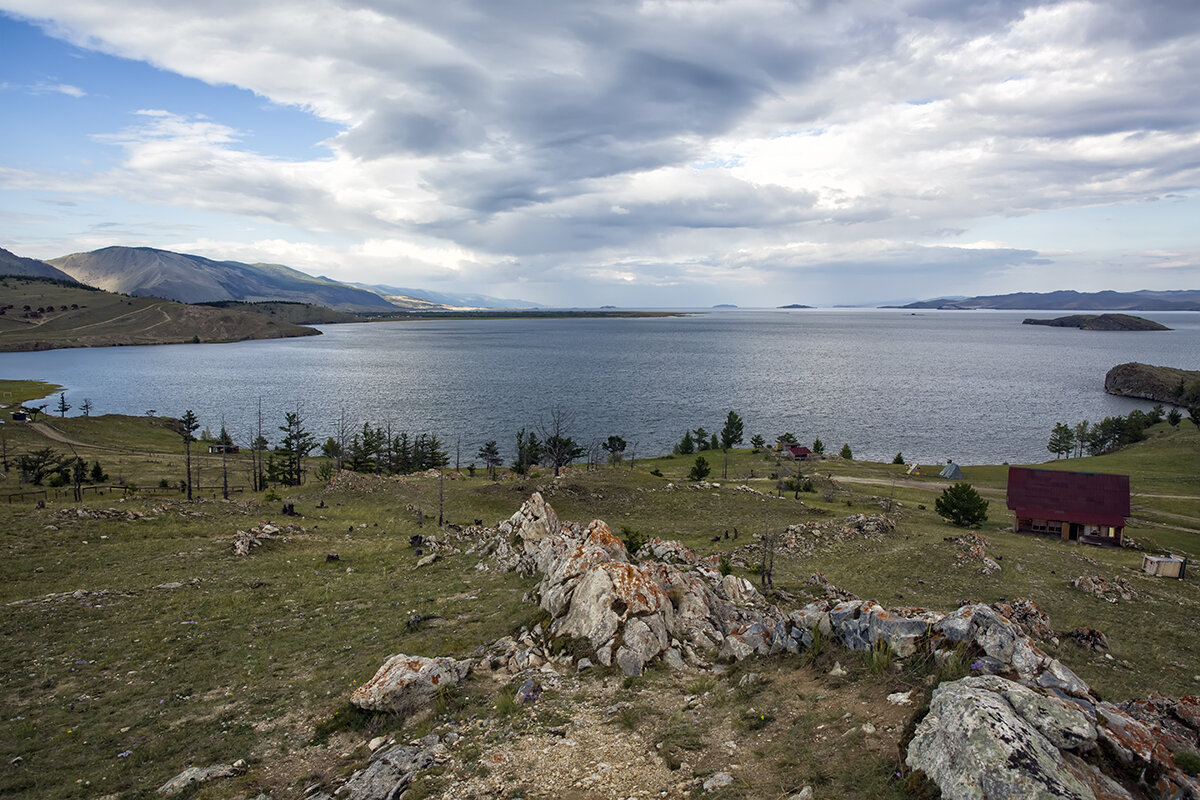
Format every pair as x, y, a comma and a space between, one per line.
633, 539
700, 469
1188, 761
962, 505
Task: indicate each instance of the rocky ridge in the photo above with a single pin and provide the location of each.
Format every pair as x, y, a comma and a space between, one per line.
1022, 724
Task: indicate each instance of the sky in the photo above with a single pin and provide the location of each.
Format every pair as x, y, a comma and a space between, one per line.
666, 153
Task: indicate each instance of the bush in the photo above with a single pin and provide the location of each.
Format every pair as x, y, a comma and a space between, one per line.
634, 539
962, 505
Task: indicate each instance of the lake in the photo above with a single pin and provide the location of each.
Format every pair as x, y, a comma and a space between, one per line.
975, 386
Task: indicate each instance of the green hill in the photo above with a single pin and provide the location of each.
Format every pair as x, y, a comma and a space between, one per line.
46, 314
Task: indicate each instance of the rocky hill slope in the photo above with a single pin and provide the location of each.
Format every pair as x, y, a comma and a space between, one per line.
13, 264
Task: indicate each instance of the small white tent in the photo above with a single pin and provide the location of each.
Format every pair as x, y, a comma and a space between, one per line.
952, 471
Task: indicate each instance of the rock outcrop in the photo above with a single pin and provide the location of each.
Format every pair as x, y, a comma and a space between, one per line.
1022, 725
404, 683
193, 776
633, 613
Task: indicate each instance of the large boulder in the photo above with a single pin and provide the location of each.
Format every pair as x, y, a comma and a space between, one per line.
390, 771
405, 684
193, 776
985, 738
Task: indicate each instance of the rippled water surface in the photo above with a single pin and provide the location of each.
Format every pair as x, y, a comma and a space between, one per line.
976, 386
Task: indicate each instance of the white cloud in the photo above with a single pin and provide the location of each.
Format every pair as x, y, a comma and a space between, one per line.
659, 143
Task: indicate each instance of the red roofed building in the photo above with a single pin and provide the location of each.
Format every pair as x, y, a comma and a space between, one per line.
1075, 506
797, 452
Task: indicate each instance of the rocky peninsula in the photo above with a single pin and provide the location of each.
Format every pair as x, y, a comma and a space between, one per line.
1146, 381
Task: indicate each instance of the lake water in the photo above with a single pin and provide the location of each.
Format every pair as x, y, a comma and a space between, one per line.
976, 386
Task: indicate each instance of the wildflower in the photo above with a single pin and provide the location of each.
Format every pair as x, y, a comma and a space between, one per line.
126, 754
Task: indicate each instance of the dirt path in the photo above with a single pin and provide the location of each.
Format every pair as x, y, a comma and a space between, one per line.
909, 483
58, 436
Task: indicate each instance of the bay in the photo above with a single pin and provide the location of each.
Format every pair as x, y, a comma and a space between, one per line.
976, 386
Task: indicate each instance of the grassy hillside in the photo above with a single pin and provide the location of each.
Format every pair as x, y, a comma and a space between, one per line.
74, 316
295, 313
135, 643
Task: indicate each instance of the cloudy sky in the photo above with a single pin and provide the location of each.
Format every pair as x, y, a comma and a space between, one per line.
657, 153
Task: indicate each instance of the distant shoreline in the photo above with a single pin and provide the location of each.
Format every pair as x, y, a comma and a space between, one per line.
521, 314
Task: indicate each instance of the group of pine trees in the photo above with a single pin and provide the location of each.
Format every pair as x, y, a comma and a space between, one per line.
376, 449
1109, 434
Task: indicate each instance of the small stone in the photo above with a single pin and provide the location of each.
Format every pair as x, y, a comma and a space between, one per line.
376, 743
804, 794
900, 698
868, 728
838, 670
584, 664
718, 780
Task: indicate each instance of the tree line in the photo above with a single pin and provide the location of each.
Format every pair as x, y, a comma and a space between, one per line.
1111, 433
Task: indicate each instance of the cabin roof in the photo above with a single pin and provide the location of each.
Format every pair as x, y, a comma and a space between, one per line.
1083, 497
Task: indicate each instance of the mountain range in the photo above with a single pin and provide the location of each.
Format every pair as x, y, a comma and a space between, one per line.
147, 272
448, 299
186, 278
1144, 300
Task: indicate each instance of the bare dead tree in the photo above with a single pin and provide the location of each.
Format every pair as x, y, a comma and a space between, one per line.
767, 567
441, 495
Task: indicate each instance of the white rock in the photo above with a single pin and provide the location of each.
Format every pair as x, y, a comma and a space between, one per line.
718, 780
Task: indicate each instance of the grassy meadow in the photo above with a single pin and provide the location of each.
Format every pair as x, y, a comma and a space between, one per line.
135, 643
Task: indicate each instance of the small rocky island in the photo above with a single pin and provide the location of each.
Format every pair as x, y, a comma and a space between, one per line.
794, 305
1100, 322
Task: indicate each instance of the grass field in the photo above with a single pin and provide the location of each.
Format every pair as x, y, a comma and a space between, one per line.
134, 643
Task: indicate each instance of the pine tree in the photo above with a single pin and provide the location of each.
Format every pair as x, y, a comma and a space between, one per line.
687, 445
490, 455
187, 426
962, 505
1062, 440
846, 454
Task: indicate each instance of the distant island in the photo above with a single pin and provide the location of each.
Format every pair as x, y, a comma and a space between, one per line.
1100, 322
724, 305
794, 305
1144, 300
